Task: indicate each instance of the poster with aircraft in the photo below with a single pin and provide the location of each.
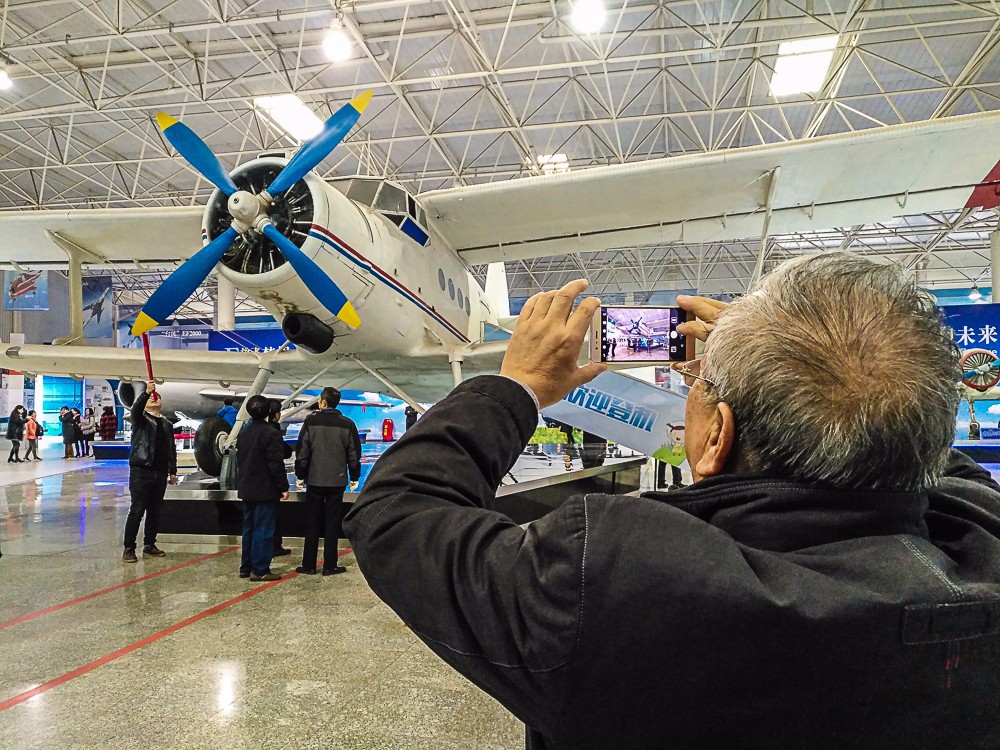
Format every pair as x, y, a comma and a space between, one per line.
26, 291
97, 308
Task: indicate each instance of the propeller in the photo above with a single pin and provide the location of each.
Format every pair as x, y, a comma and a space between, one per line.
249, 214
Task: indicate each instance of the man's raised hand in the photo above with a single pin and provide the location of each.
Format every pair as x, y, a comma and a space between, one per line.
548, 337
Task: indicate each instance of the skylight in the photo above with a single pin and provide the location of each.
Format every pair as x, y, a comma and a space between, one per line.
553, 163
802, 65
290, 114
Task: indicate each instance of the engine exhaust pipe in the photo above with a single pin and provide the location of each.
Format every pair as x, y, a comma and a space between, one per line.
307, 332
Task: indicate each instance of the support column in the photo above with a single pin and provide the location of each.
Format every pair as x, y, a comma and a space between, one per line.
76, 255
995, 264
456, 367
225, 305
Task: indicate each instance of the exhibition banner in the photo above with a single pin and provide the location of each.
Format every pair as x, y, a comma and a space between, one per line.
974, 326
25, 291
97, 303
628, 411
248, 340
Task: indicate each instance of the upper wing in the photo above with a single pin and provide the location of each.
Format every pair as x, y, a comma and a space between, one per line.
833, 181
112, 236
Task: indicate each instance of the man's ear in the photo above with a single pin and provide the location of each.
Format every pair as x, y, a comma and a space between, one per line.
719, 442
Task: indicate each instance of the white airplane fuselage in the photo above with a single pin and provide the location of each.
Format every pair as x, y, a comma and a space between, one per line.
393, 281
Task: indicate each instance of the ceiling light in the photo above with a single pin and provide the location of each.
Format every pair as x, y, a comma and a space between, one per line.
338, 45
553, 163
290, 114
5, 80
975, 293
587, 16
802, 65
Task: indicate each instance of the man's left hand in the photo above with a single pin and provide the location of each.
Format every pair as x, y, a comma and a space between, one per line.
545, 347
172, 479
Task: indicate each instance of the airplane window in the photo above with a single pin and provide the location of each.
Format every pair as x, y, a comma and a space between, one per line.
451, 288
391, 198
441, 279
411, 205
468, 307
461, 303
363, 191
421, 217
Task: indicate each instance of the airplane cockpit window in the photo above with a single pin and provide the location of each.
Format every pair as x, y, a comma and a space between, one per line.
363, 191
390, 200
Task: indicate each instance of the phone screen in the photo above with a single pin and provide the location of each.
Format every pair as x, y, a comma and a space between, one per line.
645, 335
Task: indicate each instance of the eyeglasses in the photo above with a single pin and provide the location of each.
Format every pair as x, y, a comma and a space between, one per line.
690, 372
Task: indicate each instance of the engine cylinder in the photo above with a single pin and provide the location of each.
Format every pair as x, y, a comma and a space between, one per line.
307, 332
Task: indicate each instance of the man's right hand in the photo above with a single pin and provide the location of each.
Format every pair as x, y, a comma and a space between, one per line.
150, 387
705, 310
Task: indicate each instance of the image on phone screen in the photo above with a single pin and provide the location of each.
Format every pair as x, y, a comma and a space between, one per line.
642, 334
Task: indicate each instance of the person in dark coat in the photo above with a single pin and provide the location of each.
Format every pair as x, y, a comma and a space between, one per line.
261, 482
328, 456
831, 579
68, 424
15, 433
411, 416
152, 463
78, 451
274, 419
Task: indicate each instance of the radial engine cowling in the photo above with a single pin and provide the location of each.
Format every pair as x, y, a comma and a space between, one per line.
128, 391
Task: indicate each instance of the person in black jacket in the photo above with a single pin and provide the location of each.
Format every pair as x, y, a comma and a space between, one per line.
327, 456
152, 465
830, 580
15, 433
274, 419
261, 482
68, 423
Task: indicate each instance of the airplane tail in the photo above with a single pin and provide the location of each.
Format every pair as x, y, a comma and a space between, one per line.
497, 295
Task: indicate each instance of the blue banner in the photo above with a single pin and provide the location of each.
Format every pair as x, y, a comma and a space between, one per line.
251, 340
26, 291
975, 326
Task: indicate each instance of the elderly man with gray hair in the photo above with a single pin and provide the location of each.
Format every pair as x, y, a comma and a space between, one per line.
831, 580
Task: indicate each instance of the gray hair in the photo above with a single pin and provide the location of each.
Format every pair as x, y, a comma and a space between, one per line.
838, 370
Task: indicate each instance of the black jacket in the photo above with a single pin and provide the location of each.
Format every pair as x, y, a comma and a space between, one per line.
15, 427
739, 613
144, 442
68, 427
329, 446
260, 464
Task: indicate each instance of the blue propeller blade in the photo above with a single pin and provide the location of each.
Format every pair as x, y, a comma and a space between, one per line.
315, 279
181, 283
193, 148
319, 147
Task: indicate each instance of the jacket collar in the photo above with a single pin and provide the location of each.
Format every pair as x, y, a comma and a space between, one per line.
783, 516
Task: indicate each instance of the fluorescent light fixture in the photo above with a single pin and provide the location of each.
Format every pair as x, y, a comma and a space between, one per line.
802, 65
553, 163
975, 294
338, 45
587, 16
5, 80
290, 114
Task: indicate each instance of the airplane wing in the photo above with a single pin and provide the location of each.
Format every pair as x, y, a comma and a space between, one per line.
832, 181
110, 237
427, 378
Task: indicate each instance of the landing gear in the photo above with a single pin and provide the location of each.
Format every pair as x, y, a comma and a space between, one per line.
209, 442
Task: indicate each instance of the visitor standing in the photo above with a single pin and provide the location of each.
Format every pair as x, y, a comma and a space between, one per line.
327, 457
66, 419
33, 430
107, 428
15, 433
88, 428
152, 466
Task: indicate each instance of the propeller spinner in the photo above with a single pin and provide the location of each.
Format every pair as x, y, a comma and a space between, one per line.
249, 213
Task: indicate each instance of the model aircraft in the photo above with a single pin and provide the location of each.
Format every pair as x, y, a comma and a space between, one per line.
26, 283
372, 285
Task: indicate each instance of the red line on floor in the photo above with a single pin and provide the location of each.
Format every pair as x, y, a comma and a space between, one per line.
109, 589
90, 666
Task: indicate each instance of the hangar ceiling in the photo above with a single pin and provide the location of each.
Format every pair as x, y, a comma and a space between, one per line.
469, 91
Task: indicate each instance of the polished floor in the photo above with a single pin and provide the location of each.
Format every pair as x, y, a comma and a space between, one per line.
178, 652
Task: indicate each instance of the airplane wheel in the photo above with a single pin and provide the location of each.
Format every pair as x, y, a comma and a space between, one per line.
208, 441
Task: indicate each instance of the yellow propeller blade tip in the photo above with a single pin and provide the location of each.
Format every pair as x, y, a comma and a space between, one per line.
361, 100
164, 120
145, 324
349, 315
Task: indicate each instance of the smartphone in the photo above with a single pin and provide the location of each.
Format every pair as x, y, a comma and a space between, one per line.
640, 335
